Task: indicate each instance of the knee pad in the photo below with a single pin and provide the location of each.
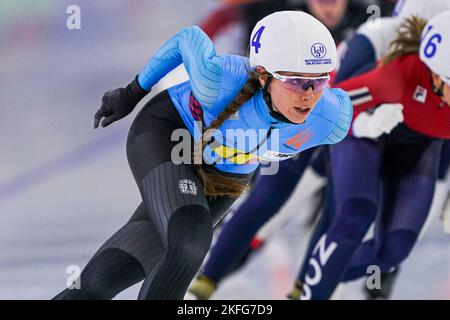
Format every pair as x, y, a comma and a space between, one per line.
355, 217
396, 247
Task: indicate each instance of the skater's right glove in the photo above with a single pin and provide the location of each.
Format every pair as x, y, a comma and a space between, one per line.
118, 103
385, 118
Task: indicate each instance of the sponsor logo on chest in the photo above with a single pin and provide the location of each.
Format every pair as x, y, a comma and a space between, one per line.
298, 140
420, 94
276, 156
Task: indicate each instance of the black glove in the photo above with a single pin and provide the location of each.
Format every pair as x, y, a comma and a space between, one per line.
119, 103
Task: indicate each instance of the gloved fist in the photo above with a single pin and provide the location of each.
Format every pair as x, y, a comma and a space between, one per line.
118, 103
385, 118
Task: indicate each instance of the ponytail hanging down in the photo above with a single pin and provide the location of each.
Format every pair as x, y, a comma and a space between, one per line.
407, 40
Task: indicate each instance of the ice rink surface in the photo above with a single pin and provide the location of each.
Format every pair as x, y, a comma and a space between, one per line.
65, 187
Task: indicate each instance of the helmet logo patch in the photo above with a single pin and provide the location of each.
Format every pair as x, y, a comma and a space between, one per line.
318, 50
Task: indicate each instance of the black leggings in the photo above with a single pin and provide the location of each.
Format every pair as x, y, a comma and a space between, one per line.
165, 241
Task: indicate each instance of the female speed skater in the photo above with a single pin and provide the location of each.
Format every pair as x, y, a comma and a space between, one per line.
401, 168
277, 94
243, 233
364, 49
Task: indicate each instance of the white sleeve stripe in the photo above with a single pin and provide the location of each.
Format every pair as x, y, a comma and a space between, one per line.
359, 91
362, 100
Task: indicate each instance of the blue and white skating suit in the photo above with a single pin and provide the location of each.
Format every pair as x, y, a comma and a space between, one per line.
214, 82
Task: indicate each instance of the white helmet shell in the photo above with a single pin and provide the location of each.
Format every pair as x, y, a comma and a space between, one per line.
292, 41
425, 9
382, 36
435, 45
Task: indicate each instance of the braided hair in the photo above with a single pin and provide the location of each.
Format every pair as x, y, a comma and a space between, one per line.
215, 184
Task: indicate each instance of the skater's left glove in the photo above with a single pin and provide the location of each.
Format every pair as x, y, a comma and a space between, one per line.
118, 103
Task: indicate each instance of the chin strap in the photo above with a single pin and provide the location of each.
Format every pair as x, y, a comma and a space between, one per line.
266, 95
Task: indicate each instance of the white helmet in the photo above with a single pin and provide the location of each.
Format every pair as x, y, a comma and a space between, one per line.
292, 41
435, 45
425, 9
